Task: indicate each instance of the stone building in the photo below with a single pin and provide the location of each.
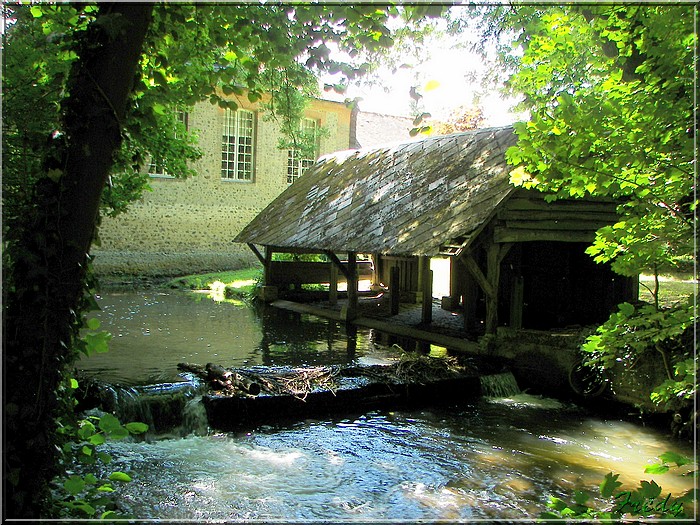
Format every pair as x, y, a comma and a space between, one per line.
187, 225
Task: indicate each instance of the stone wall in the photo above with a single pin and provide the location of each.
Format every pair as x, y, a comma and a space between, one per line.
187, 226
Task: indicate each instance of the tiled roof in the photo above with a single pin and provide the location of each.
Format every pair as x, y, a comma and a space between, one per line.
410, 199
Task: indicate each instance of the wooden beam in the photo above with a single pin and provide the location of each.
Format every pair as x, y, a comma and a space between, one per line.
509, 235
257, 253
267, 266
468, 261
553, 215
333, 286
425, 286
352, 287
394, 289
337, 262
575, 224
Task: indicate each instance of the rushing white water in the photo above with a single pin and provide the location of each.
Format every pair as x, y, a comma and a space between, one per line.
496, 459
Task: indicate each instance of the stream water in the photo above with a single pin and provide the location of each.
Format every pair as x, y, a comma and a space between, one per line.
495, 458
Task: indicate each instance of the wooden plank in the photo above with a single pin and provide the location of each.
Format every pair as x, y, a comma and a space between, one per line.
509, 235
517, 203
333, 286
507, 214
516, 303
563, 225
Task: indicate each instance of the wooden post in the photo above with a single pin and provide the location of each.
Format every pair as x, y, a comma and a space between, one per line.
267, 266
333, 285
427, 289
352, 287
425, 286
394, 289
494, 255
493, 274
489, 282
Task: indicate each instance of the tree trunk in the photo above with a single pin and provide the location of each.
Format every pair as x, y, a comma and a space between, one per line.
47, 251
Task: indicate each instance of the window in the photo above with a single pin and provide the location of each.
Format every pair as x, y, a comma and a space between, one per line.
156, 166
237, 145
297, 163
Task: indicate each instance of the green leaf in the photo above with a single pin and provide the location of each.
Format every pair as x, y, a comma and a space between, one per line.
649, 489
119, 476
672, 457
86, 430
609, 485
92, 323
96, 439
581, 497
90, 479
36, 11
556, 503
74, 484
657, 468
627, 309
112, 427
136, 427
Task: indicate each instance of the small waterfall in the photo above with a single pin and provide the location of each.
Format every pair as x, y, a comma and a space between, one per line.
167, 408
499, 385
194, 417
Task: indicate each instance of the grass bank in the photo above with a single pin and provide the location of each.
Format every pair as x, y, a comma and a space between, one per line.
243, 282
230, 283
672, 289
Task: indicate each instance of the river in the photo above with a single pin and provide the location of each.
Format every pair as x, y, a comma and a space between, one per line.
492, 458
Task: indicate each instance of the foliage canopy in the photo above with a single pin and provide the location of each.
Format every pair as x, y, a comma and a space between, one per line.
609, 89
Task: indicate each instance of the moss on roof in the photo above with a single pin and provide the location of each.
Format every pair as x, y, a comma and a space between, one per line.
406, 199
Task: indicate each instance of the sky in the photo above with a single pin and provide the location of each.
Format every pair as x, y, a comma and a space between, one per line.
445, 81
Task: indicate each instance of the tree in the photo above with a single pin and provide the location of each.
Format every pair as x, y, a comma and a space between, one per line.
117, 72
462, 118
609, 91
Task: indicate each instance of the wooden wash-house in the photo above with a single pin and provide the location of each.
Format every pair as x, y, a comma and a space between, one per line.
516, 260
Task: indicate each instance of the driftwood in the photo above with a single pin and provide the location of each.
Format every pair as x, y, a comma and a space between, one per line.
300, 382
219, 378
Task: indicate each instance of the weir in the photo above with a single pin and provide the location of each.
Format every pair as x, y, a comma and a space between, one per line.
180, 409
499, 385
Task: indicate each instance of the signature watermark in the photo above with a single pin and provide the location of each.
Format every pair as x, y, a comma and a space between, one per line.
647, 506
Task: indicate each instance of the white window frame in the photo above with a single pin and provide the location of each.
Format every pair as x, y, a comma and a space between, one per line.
238, 146
296, 164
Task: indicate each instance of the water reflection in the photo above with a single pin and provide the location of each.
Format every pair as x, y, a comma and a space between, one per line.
153, 331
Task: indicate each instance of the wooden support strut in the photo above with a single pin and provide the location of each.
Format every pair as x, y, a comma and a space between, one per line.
489, 283
338, 263
257, 253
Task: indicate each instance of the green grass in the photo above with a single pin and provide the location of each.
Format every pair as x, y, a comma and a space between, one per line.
238, 281
671, 290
